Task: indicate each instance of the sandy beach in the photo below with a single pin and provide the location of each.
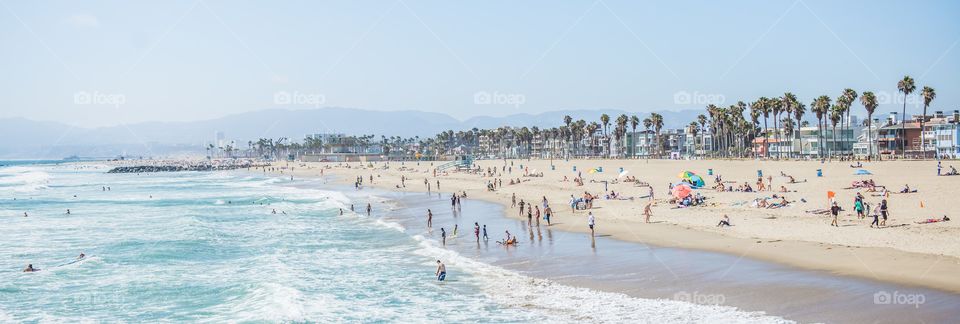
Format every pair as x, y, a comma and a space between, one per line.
902, 252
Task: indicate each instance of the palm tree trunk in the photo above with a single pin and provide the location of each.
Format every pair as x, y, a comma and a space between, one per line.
903, 129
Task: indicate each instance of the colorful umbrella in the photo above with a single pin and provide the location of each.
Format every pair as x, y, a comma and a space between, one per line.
681, 191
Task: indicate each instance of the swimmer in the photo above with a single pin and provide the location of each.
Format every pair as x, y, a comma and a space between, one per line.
81, 256
30, 268
441, 271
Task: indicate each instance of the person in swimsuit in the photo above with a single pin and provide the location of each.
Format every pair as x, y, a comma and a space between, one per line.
476, 231
429, 219
441, 271
547, 213
443, 234
485, 237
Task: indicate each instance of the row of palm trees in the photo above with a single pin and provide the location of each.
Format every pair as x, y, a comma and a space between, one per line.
732, 129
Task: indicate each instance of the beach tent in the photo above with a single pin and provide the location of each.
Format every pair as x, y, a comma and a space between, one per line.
862, 172
692, 178
681, 191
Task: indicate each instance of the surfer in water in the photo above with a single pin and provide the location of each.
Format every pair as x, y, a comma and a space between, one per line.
30, 268
81, 256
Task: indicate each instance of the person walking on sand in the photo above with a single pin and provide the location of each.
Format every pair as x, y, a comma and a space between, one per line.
513, 200
537, 214
835, 211
647, 212
441, 271
884, 212
521, 207
876, 217
591, 222
858, 206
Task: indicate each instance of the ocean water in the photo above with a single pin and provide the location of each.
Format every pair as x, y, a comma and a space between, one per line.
208, 247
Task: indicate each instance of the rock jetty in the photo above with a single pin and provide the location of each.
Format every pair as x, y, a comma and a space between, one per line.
176, 166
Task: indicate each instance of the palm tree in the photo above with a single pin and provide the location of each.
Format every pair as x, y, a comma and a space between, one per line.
787, 102
928, 95
647, 123
621, 130
657, 120
850, 96
906, 87
634, 121
693, 131
567, 120
702, 119
820, 106
764, 108
798, 110
755, 123
869, 101
836, 114
605, 120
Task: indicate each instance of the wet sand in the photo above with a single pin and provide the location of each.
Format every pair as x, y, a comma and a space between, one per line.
649, 271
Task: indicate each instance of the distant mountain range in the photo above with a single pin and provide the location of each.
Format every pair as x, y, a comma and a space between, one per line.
24, 138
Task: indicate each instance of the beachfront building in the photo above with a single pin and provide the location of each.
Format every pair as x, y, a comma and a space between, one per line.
864, 144
639, 144
946, 135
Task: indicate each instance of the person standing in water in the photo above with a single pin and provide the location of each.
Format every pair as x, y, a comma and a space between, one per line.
476, 231
590, 222
429, 219
441, 271
547, 212
369, 209
443, 235
485, 237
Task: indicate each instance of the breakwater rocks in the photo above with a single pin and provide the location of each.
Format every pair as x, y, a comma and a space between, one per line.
177, 167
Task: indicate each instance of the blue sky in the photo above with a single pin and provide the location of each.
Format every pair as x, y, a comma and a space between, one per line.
191, 60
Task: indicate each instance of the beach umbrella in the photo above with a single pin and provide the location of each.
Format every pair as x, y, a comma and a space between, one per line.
862, 172
691, 178
681, 191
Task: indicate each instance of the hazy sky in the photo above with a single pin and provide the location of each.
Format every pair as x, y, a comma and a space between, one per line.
94, 63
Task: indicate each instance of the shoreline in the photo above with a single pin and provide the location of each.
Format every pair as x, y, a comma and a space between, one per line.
882, 264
